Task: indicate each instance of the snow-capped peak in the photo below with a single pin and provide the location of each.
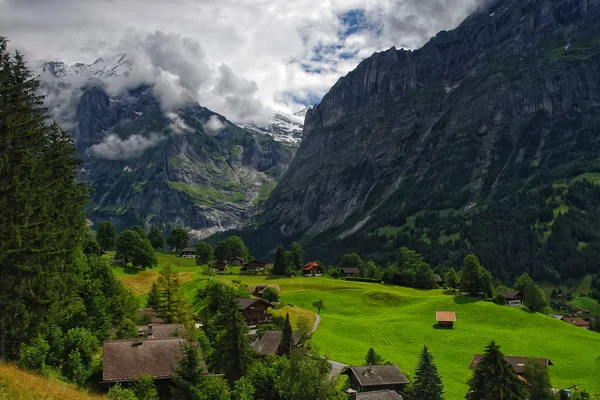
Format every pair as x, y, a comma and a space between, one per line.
284, 128
302, 113
101, 68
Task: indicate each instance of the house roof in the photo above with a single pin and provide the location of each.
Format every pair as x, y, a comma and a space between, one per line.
310, 265
164, 331
352, 270
378, 395
188, 250
154, 318
127, 360
517, 362
269, 343
245, 303
376, 375
261, 288
437, 278
512, 295
241, 259
577, 321
445, 316
255, 262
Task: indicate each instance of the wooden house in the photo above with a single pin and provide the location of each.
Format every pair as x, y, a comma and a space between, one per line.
259, 289
445, 319
188, 252
254, 266
237, 262
254, 310
513, 298
312, 269
517, 362
128, 360
220, 266
373, 378
577, 321
350, 272
270, 343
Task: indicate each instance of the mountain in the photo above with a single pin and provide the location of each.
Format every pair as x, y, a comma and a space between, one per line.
187, 167
466, 134
286, 129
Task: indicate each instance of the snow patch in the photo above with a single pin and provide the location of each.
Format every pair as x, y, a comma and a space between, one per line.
127, 169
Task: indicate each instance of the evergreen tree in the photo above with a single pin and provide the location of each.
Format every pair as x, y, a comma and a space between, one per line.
297, 253
287, 338
156, 238
140, 231
91, 246
280, 266
42, 221
494, 378
204, 253
106, 235
171, 303
187, 374
153, 296
372, 358
243, 390
428, 384
538, 382
232, 349
179, 239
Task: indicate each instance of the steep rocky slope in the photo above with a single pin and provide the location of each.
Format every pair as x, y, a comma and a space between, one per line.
476, 114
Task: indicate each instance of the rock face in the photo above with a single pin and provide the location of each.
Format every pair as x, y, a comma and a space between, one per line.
155, 168
476, 113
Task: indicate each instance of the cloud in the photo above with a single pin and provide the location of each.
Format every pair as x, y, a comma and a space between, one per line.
214, 124
178, 125
251, 54
115, 148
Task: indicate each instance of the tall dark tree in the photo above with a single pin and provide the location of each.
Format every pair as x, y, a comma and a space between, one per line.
372, 358
156, 238
188, 374
428, 384
280, 266
179, 239
42, 220
296, 255
287, 336
106, 235
495, 379
538, 381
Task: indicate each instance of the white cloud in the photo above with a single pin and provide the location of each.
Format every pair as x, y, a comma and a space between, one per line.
178, 125
115, 148
214, 124
194, 46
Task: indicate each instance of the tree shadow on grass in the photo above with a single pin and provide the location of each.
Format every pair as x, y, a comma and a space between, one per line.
442, 328
459, 299
131, 270
449, 292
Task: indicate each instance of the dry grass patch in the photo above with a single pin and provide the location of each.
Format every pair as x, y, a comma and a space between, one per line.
17, 384
295, 314
141, 283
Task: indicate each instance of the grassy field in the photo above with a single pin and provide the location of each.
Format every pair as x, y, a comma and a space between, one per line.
398, 321
16, 384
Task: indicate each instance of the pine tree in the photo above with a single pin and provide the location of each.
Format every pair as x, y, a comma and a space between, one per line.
494, 378
428, 384
287, 338
188, 374
106, 235
171, 302
232, 350
372, 358
279, 268
42, 222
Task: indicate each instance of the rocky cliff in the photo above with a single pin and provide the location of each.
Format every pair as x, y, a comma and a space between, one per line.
476, 114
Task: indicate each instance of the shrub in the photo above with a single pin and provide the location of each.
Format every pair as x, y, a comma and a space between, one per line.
33, 356
118, 392
270, 294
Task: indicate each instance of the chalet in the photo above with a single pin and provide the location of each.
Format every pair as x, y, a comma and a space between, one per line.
254, 266
437, 279
312, 269
254, 310
237, 262
220, 266
188, 252
270, 343
350, 272
161, 331
372, 378
445, 319
374, 395
577, 321
517, 362
259, 289
128, 360
513, 298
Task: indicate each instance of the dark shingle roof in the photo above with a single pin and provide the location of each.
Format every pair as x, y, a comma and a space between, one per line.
379, 395
437, 278
164, 331
511, 295
245, 303
351, 270
188, 250
375, 375
269, 343
126, 360
517, 362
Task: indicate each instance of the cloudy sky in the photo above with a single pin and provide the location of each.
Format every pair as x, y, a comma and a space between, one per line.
244, 56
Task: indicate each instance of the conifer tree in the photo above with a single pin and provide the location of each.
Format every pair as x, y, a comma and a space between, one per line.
106, 235
494, 378
42, 220
428, 384
372, 358
171, 303
188, 374
538, 381
279, 267
287, 336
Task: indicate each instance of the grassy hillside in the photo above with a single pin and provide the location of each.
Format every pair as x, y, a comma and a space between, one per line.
16, 384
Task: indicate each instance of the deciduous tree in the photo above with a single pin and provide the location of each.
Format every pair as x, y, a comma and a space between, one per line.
204, 253
270, 294
538, 381
156, 238
319, 305
179, 239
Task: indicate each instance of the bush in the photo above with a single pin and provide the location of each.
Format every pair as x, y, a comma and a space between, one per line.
118, 392
499, 299
270, 294
334, 274
33, 356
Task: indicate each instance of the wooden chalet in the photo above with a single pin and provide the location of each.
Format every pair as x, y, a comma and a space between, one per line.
237, 262
373, 378
312, 269
128, 360
188, 252
254, 266
578, 322
445, 319
517, 362
350, 272
220, 266
270, 343
259, 289
254, 310
374, 395
513, 298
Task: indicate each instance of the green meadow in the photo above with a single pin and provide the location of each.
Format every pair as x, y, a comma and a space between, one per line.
398, 321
